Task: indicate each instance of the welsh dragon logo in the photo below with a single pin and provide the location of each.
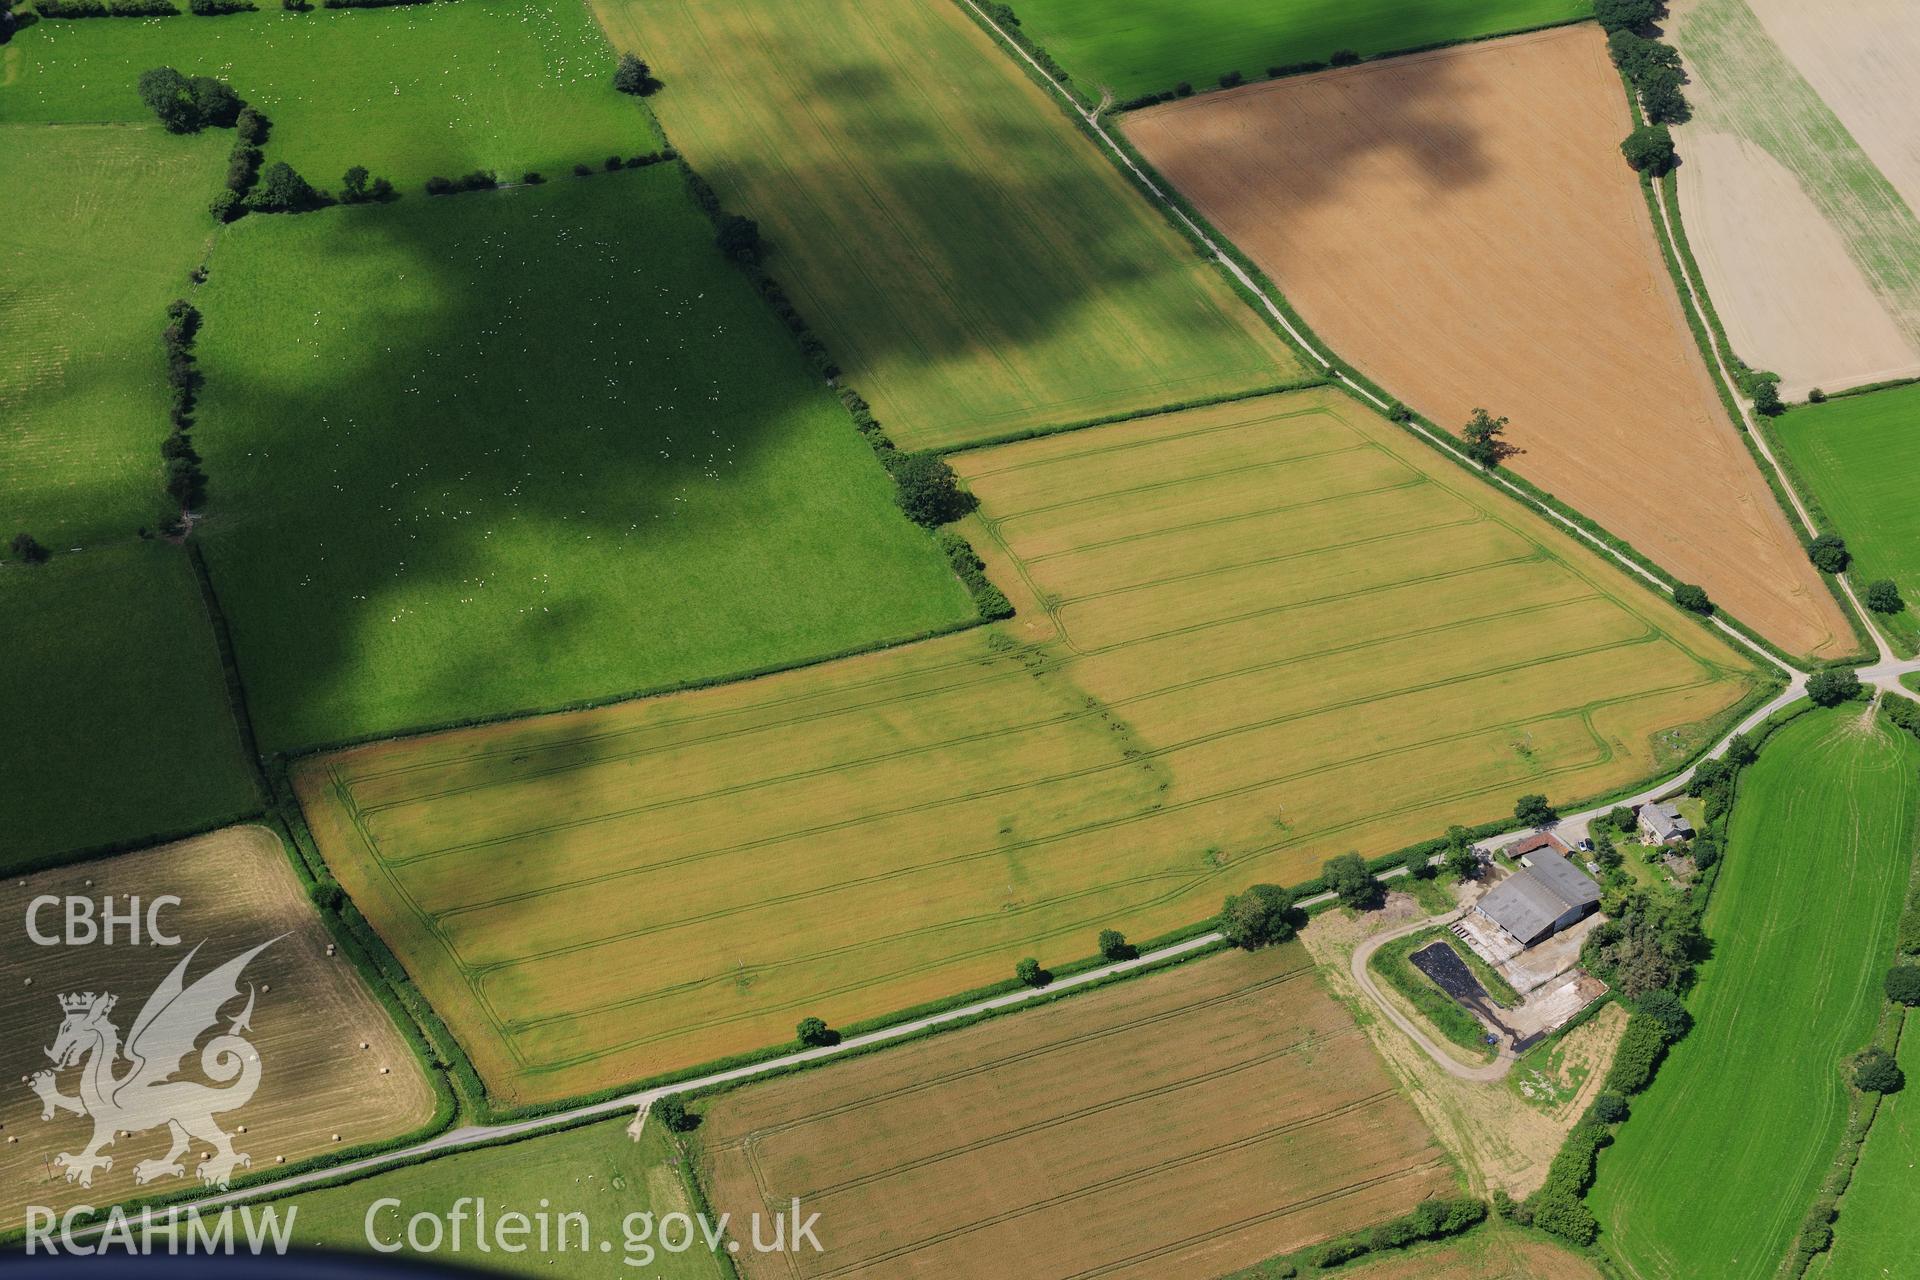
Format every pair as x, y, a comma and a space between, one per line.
145, 1095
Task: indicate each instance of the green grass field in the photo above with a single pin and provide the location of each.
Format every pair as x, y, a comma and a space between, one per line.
1751, 1105
970, 258
494, 452
116, 712
102, 226
1874, 1237
1148, 46
596, 1171
1861, 456
408, 92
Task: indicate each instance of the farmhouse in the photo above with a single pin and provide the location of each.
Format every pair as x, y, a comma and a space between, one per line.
1664, 824
1545, 896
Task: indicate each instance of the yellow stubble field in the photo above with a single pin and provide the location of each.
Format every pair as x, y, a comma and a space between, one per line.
1218, 1114
1248, 637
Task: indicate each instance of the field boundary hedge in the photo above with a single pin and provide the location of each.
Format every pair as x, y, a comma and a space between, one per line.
1136, 415
1289, 70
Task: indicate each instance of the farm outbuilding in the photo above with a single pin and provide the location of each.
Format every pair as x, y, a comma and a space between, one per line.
1542, 898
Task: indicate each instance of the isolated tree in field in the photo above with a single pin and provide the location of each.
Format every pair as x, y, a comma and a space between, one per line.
1623, 15
1833, 686
738, 237
1649, 149
1875, 1071
353, 185
1347, 876
1692, 598
1484, 436
1031, 974
1462, 861
1661, 97
631, 75
928, 491
814, 1032
1883, 596
1903, 984
27, 549
1829, 553
673, 1113
1534, 811
170, 98
1262, 915
1114, 946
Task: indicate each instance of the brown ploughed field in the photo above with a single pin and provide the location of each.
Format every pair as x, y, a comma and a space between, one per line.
1185, 1123
1461, 226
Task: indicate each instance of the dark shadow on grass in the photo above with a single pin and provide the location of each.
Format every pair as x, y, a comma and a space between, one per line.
509, 450
952, 224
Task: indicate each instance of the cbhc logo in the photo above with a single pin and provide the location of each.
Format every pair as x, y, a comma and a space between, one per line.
85, 926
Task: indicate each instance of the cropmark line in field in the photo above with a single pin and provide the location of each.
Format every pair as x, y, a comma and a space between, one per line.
1143, 700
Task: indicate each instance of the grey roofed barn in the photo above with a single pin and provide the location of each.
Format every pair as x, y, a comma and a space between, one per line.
1550, 894
1566, 881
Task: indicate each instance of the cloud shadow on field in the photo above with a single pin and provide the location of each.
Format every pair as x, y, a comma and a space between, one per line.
1007, 243
503, 451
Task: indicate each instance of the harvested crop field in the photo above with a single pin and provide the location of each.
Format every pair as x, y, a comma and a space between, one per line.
1186, 1123
1801, 172
1249, 637
312, 1012
1802, 922
1860, 456
973, 262
1425, 247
